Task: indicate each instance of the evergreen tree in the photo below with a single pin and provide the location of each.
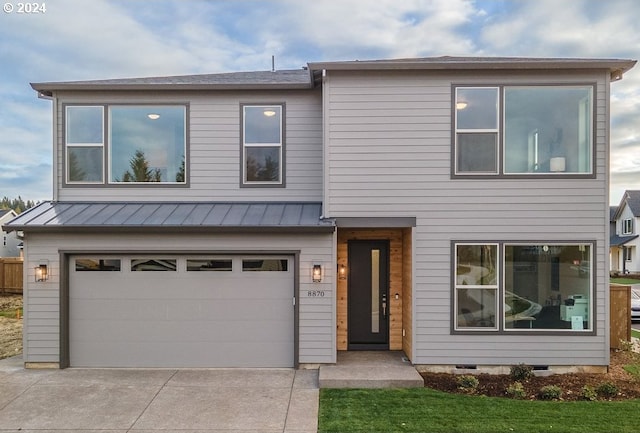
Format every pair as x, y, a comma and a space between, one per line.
17, 204
140, 171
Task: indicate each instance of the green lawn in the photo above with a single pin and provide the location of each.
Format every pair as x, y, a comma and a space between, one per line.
624, 281
425, 410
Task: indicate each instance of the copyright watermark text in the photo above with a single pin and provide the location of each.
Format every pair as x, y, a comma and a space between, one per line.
24, 8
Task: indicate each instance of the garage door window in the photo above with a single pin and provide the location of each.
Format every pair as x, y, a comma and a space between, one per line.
265, 265
194, 265
145, 265
96, 264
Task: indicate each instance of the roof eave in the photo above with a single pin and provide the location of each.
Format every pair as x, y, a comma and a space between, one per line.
618, 66
47, 89
171, 229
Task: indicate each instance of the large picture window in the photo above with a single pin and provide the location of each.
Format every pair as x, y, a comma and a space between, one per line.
544, 130
540, 287
144, 144
147, 144
262, 145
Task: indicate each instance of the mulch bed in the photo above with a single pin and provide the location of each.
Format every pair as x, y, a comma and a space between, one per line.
571, 384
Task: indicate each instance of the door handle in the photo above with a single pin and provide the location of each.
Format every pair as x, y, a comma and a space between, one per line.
384, 305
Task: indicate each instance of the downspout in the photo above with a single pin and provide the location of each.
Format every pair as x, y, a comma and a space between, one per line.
325, 146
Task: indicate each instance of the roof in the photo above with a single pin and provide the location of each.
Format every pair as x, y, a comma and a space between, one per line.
7, 214
305, 78
172, 216
616, 240
632, 199
265, 80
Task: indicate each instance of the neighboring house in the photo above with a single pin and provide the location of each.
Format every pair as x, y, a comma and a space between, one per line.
451, 208
11, 244
624, 234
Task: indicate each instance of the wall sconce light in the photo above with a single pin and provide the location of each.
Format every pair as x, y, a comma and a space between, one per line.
342, 272
316, 273
42, 271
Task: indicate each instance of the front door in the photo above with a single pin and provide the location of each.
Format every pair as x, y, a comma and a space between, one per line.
368, 295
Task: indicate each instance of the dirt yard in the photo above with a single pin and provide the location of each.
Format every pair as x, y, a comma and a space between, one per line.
10, 327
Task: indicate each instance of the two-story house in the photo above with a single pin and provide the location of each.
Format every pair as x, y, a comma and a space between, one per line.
11, 243
452, 208
624, 234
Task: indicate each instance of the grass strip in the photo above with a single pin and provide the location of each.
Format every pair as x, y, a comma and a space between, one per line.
625, 281
425, 410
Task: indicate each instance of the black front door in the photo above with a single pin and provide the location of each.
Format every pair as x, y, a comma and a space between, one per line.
368, 295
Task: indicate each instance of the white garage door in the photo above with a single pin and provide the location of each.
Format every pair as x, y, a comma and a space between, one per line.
176, 311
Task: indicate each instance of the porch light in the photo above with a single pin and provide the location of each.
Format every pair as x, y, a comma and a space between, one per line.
342, 272
316, 273
42, 273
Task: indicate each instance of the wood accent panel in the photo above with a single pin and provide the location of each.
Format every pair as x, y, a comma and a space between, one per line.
396, 275
407, 295
620, 313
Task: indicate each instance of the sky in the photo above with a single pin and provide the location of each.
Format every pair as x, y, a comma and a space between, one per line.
101, 39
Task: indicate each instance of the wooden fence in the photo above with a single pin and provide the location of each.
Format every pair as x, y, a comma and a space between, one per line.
620, 312
11, 275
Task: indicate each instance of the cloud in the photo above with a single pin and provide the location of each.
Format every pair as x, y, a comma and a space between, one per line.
77, 40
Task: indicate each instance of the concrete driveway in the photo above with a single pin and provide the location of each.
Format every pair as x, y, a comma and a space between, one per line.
146, 401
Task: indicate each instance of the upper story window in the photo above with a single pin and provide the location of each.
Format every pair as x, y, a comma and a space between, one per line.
262, 145
627, 226
85, 144
142, 144
523, 130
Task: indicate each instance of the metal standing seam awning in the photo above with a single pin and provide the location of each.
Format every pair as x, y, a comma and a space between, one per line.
172, 216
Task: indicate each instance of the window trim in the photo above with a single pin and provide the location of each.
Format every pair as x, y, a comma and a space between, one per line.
66, 145
500, 328
501, 126
456, 287
627, 226
282, 146
106, 147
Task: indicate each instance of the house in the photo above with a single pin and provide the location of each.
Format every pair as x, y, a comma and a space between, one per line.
624, 234
454, 208
11, 243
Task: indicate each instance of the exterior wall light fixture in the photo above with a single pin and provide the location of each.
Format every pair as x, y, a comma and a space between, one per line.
316, 273
42, 271
342, 272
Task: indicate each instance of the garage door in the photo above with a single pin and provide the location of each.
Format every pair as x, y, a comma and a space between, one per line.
168, 311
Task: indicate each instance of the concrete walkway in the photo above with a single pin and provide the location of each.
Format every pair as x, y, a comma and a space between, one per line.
157, 400
379, 369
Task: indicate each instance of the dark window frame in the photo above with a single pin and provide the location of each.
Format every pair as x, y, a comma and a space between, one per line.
500, 328
106, 147
500, 174
283, 139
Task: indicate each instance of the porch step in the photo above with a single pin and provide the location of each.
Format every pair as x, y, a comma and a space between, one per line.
370, 370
